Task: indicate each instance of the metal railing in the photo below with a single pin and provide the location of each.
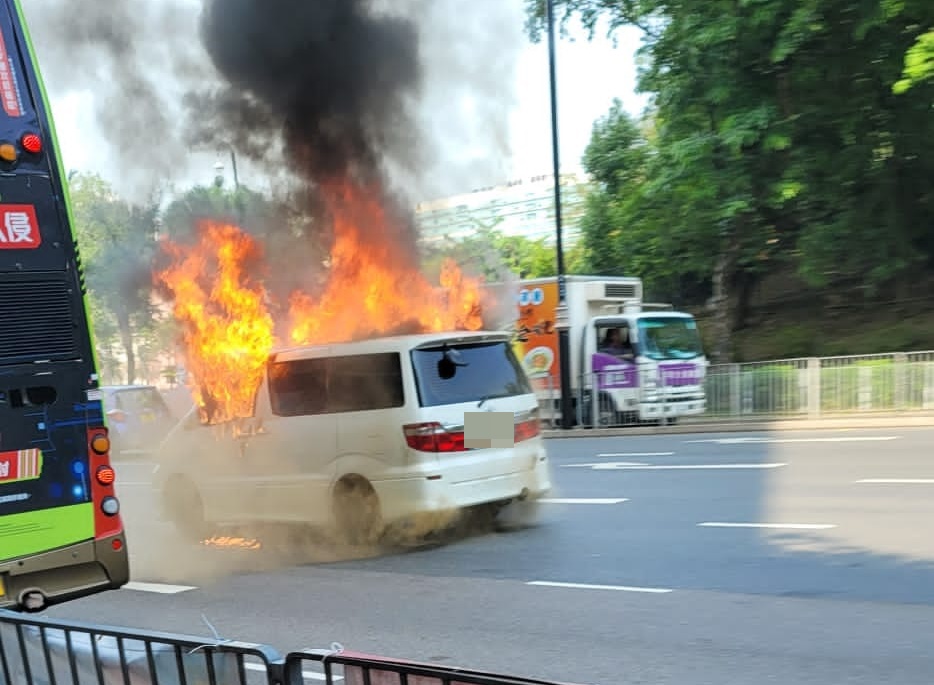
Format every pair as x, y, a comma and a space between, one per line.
36, 650
823, 386
794, 388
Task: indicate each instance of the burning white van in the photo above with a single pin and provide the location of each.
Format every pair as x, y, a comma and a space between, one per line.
360, 436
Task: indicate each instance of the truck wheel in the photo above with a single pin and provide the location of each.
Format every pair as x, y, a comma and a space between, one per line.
357, 512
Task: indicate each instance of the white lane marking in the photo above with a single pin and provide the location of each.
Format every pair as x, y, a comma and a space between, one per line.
582, 500
160, 588
636, 454
897, 480
744, 441
585, 586
306, 675
792, 526
629, 466
604, 464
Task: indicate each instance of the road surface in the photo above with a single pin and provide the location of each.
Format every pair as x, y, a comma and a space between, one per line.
680, 559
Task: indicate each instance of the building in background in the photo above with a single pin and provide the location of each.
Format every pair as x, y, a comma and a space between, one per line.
523, 207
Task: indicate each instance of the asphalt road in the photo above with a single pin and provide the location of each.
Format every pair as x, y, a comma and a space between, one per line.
647, 569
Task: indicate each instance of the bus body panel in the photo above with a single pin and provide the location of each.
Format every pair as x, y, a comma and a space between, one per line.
56, 540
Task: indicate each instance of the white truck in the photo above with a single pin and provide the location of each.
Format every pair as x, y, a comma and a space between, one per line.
630, 361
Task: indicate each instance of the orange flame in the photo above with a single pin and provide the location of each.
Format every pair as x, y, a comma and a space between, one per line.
374, 288
228, 331
230, 541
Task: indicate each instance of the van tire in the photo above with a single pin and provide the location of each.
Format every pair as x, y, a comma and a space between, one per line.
356, 511
185, 509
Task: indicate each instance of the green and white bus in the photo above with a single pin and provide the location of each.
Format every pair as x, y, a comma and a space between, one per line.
61, 534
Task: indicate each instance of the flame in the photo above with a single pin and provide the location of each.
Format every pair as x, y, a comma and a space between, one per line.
227, 329
229, 541
374, 287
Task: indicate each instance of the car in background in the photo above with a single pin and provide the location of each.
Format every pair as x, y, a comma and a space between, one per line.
138, 417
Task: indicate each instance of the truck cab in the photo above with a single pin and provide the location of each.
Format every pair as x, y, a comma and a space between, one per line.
630, 361
644, 363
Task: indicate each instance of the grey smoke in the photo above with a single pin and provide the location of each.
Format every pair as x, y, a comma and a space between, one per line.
319, 87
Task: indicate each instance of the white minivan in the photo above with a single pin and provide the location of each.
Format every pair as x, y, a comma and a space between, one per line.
362, 436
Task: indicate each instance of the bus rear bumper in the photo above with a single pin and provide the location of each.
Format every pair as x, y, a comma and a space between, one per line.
41, 580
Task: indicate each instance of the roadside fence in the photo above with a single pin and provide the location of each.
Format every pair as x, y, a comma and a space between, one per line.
36, 650
813, 387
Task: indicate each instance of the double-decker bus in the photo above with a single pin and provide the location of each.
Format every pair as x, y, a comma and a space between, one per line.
61, 534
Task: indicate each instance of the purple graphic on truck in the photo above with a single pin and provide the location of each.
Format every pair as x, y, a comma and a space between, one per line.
612, 372
674, 375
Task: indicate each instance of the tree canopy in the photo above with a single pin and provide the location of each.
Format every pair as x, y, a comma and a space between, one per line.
784, 135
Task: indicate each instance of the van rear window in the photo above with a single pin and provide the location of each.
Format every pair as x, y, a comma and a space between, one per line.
485, 370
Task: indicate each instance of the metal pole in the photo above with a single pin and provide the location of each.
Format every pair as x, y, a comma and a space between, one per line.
238, 199
561, 313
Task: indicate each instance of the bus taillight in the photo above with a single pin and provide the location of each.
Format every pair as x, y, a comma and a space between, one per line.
31, 143
106, 475
107, 521
100, 442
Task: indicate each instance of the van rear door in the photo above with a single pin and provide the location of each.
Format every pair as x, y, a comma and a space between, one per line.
468, 376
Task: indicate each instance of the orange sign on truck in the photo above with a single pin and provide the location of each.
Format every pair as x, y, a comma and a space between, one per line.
536, 338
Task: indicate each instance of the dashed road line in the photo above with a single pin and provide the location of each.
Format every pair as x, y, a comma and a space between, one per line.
586, 586
636, 454
582, 500
747, 441
633, 466
790, 526
160, 588
306, 675
912, 481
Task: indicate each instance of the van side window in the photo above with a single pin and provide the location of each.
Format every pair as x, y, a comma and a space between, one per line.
298, 388
308, 387
365, 382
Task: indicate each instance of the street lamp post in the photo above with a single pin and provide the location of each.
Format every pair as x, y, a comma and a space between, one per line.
219, 167
561, 313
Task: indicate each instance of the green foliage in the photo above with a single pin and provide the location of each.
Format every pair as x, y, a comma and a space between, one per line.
117, 244
919, 63
774, 138
492, 254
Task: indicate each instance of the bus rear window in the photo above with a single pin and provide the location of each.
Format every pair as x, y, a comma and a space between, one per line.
485, 370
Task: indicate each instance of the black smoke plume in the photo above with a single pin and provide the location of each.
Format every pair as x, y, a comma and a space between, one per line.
412, 95
335, 81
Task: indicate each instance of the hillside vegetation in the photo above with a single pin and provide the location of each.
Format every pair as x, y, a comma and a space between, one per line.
786, 142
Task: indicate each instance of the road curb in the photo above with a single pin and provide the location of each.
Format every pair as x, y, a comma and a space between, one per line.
749, 426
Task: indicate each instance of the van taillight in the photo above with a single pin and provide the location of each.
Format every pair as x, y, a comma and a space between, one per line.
527, 430
432, 437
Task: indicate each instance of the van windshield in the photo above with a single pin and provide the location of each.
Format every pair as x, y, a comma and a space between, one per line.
485, 370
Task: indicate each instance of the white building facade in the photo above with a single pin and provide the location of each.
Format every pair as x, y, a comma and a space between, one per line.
523, 207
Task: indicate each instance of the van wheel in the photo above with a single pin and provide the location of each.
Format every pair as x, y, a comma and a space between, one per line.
185, 510
356, 511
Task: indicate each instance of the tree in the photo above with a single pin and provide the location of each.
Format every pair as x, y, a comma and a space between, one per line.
494, 255
117, 243
778, 141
